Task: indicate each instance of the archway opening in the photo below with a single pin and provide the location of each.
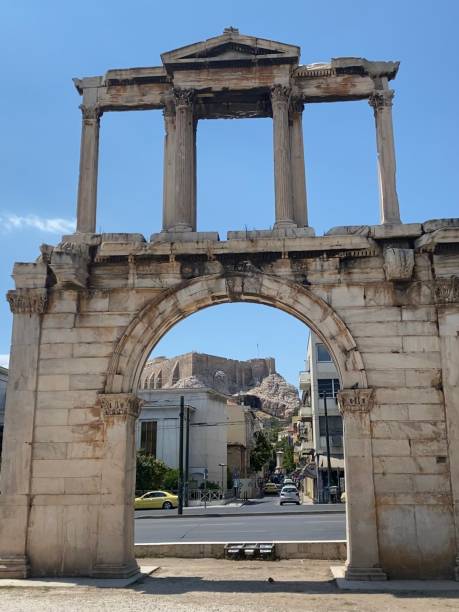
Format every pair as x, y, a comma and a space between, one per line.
259, 398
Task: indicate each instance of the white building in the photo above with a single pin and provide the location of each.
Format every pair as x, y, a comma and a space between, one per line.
158, 430
322, 378
3, 383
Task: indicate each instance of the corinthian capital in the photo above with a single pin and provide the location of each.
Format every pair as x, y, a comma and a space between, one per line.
90, 114
280, 94
120, 405
380, 99
27, 301
183, 97
355, 400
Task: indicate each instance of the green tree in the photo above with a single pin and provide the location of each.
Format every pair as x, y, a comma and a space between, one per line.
171, 478
261, 453
150, 472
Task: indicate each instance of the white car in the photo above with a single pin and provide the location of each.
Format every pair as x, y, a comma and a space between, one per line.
289, 495
288, 481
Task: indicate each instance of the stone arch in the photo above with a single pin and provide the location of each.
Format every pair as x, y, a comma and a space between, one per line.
159, 315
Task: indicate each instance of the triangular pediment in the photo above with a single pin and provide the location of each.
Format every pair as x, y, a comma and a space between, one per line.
233, 47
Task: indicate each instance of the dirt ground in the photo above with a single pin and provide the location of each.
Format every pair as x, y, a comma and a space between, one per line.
212, 585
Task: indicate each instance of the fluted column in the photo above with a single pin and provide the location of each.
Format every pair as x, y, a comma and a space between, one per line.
89, 161
362, 534
182, 219
169, 165
282, 162
381, 101
300, 210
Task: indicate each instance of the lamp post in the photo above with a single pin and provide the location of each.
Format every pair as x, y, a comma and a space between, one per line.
222, 465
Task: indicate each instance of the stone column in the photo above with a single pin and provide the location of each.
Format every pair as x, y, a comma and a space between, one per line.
280, 97
300, 210
27, 305
89, 161
195, 162
362, 532
169, 165
446, 293
115, 555
182, 219
381, 101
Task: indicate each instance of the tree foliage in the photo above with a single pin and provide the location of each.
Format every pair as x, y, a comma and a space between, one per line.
261, 453
150, 472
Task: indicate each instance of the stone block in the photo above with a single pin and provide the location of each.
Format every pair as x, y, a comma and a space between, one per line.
393, 483
54, 382
65, 399
391, 448
105, 319
77, 335
83, 416
427, 344
398, 541
43, 486
87, 382
67, 433
77, 486
86, 450
63, 302
405, 395
91, 349
55, 351
436, 224
426, 448
371, 314
70, 468
74, 365
386, 378
410, 430
419, 313
402, 361
396, 230
380, 344
437, 543
409, 465
342, 297
432, 483
386, 412
49, 450
51, 416
426, 412
58, 321
423, 378
185, 237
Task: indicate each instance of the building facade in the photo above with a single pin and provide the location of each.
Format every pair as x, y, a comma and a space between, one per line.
158, 430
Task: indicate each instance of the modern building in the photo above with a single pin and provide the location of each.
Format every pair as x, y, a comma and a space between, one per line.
243, 423
158, 430
319, 384
3, 384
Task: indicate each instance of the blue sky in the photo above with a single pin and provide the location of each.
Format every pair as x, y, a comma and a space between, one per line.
44, 44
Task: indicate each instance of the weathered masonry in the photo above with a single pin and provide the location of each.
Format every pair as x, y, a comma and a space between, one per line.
384, 299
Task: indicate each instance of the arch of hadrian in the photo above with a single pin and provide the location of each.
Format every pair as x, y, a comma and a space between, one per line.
384, 298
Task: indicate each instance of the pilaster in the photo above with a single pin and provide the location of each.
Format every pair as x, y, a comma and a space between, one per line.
115, 545
381, 102
280, 99
169, 163
89, 162
363, 550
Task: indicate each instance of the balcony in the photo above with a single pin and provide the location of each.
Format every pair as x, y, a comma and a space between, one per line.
305, 380
305, 412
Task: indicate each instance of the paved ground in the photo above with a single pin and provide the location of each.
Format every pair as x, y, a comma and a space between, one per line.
253, 506
210, 585
245, 528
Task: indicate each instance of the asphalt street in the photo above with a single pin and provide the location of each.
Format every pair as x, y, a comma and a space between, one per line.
241, 528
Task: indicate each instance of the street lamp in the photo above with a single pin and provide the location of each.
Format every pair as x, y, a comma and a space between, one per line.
222, 465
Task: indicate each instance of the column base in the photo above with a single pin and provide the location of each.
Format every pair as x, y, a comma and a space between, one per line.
14, 567
277, 232
364, 573
188, 236
115, 570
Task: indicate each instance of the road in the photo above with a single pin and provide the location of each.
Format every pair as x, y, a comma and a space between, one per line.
241, 528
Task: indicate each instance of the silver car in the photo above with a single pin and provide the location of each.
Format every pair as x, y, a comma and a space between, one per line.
289, 495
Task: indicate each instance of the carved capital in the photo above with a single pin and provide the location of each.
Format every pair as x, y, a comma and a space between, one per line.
381, 99
91, 114
183, 97
122, 405
355, 400
27, 301
446, 290
280, 94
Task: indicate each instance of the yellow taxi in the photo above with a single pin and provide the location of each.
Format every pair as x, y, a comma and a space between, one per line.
270, 488
156, 499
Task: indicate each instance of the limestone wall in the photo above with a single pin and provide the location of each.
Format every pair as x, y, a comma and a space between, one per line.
87, 315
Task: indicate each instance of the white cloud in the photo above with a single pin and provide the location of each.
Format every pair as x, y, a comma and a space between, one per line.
10, 222
4, 360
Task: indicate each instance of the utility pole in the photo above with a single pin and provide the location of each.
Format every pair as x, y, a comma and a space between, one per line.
327, 438
187, 454
180, 482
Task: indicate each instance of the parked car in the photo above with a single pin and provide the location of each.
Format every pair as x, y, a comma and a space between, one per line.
270, 488
156, 499
289, 495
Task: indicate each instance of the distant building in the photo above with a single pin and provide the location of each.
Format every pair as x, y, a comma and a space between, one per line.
320, 379
243, 423
158, 428
3, 384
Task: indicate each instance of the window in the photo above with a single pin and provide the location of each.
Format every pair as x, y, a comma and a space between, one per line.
335, 427
329, 386
322, 354
148, 431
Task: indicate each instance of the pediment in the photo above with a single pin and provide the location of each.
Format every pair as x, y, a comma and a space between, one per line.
230, 47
